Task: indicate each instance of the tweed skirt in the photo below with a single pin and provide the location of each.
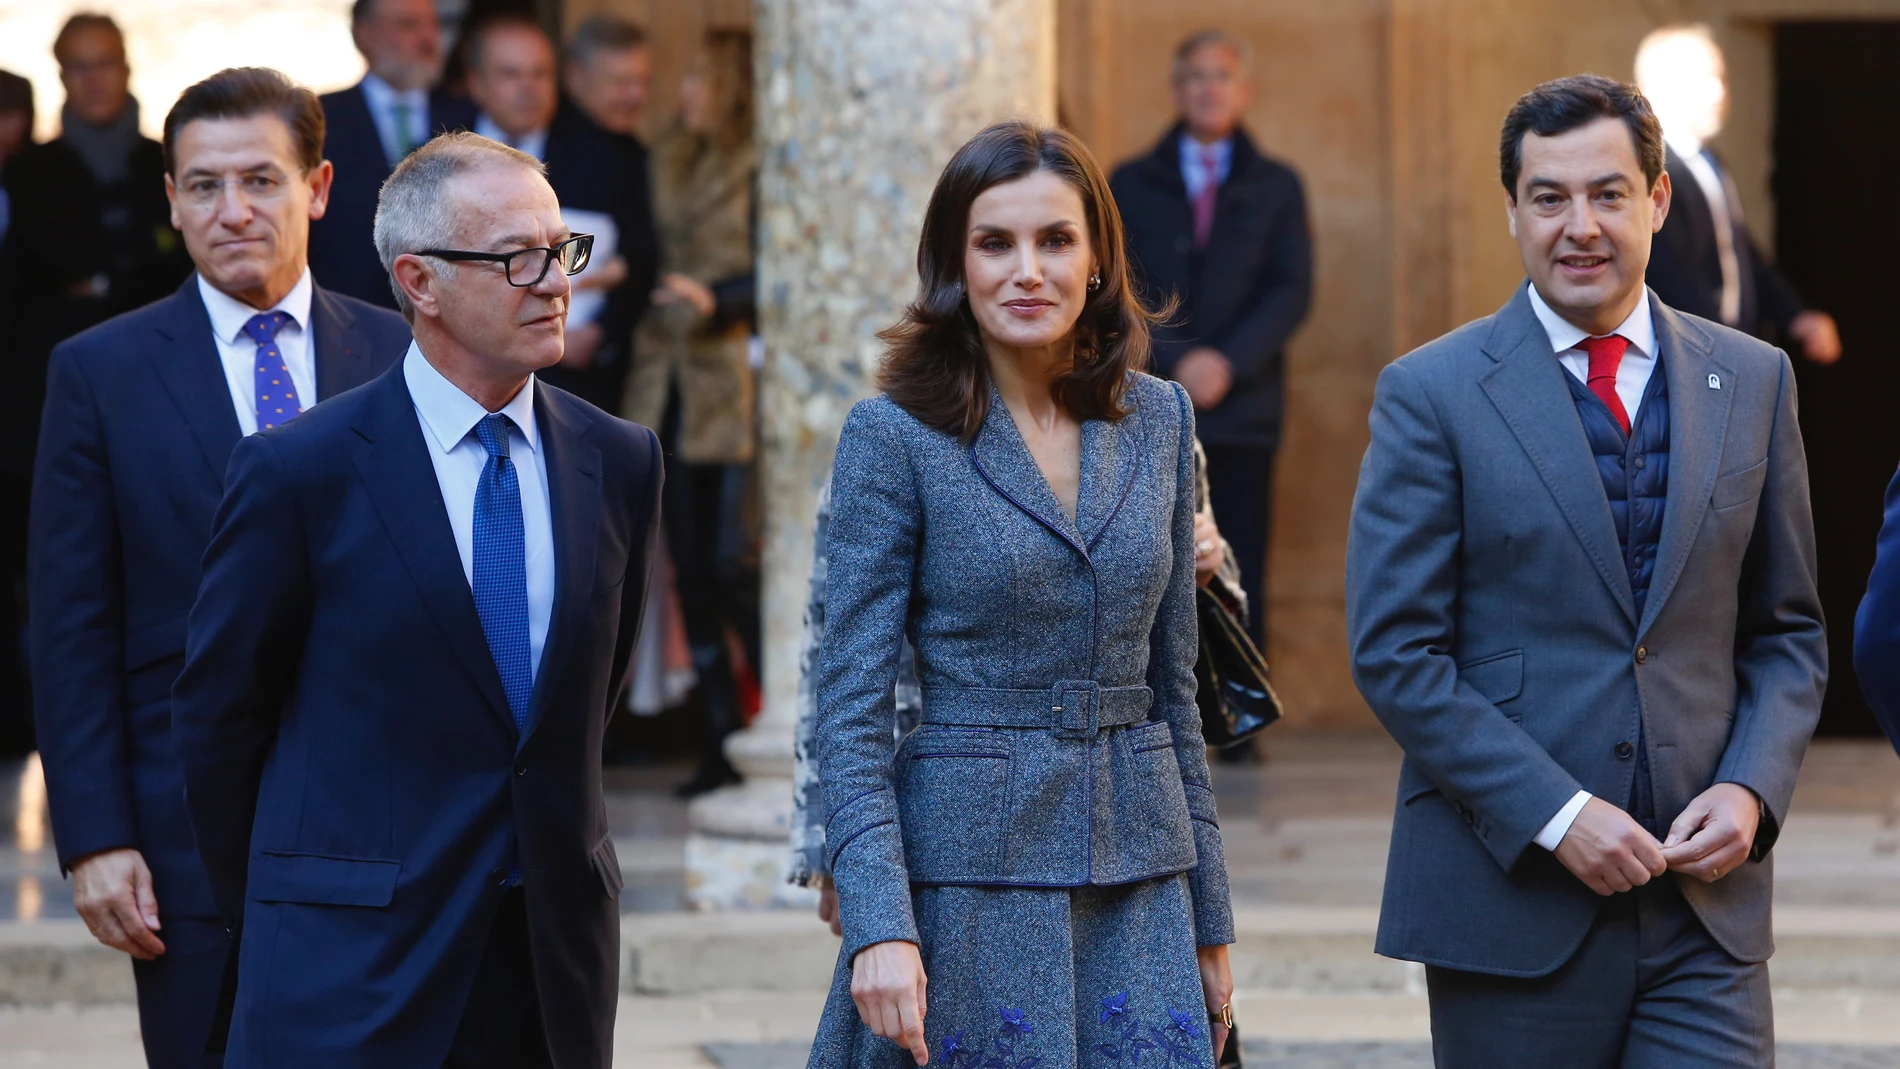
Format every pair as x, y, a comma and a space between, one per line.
1043, 978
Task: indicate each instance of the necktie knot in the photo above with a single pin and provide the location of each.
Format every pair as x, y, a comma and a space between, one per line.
492, 432
262, 328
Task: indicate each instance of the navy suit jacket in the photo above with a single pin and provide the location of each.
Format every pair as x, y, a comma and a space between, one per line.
594, 169
1877, 626
138, 429
1685, 265
352, 771
1245, 294
342, 243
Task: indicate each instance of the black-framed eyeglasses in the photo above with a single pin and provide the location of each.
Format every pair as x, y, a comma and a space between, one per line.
521, 265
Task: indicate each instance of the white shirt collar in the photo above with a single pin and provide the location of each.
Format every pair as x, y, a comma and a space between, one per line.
228, 314
1639, 329
534, 142
450, 414
382, 96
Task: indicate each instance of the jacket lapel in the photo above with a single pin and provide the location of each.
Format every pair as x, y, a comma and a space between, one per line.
1002, 458
574, 500
1698, 423
193, 374
1110, 455
342, 356
1528, 389
396, 469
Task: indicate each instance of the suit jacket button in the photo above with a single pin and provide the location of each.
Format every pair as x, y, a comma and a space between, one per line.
521, 769
1624, 751
1642, 655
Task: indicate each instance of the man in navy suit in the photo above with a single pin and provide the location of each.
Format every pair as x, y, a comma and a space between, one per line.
417, 615
1704, 260
1877, 625
1223, 228
372, 126
142, 413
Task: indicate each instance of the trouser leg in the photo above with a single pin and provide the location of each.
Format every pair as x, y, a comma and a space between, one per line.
1696, 1007
501, 1022
178, 993
1575, 1018
1240, 491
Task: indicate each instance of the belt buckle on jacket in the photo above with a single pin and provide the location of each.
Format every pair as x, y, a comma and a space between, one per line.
1076, 706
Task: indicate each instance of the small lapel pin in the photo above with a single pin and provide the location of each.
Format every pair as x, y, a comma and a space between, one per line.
1715, 382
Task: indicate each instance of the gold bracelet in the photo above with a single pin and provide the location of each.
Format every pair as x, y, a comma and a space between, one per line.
1224, 1015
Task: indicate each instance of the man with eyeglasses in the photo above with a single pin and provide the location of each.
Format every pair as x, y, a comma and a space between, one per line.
142, 414
417, 616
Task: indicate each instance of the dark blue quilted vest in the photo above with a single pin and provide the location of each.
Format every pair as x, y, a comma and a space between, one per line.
1635, 471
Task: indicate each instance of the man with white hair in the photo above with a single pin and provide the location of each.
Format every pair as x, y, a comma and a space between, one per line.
1704, 261
416, 619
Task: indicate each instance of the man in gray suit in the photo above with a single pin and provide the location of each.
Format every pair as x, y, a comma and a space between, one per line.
1581, 595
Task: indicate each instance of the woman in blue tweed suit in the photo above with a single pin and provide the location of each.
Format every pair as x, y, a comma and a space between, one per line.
1042, 854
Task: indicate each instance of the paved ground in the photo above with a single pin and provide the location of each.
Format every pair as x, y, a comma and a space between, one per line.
1309, 827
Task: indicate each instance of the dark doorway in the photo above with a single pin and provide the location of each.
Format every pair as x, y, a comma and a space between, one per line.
1837, 152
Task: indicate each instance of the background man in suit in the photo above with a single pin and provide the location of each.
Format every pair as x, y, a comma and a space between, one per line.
417, 615
1222, 227
16, 705
1580, 590
1877, 626
372, 126
141, 416
1704, 261
592, 167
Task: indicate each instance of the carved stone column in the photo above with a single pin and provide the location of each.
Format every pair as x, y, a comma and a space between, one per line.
860, 105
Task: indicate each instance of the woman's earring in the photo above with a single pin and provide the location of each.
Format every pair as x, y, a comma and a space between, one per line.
1095, 282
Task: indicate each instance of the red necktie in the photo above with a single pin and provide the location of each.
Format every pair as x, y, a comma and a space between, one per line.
1204, 201
1606, 355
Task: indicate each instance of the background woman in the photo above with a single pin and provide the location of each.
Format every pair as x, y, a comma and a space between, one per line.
1042, 854
692, 375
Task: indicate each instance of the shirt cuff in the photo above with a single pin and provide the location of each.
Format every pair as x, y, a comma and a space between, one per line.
1553, 834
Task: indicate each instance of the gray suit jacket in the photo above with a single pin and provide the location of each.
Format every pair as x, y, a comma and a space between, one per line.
1494, 632
1061, 745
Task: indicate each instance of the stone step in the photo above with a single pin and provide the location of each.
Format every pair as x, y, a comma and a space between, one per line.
1309, 950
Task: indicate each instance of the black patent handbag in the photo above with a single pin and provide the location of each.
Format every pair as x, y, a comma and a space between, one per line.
1236, 699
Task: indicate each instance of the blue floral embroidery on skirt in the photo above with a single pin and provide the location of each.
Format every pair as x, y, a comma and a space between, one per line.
1154, 1046
1005, 1049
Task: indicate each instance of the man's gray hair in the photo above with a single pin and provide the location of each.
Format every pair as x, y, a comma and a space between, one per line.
415, 211
603, 33
1200, 39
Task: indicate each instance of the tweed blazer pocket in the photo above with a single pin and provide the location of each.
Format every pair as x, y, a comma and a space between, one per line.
1146, 829
953, 800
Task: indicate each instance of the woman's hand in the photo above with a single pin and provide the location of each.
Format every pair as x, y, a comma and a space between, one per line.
1217, 986
828, 906
1209, 552
602, 276
679, 289
887, 983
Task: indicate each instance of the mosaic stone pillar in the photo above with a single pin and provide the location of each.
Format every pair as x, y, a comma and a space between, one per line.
859, 107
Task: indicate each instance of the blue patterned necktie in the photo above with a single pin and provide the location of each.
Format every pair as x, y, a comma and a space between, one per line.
501, 567
276, 395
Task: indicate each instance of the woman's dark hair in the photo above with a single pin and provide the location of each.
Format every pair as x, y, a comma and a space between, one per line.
936, 367
1563, 105
240, 93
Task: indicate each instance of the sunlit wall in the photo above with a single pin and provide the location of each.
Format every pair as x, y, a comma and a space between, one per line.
173, 43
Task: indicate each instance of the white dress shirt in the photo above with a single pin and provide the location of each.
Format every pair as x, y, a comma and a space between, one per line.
238, 353
1632, 380
1194, 171
534, 143
448, 418
383, 99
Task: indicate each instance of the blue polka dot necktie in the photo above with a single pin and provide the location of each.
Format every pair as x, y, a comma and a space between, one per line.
276, 395
501, 567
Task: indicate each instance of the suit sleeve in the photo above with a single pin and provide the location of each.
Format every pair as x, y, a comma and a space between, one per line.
876, 520
639, 584
242, 649
1776, 297
641, 247
1403, 558
1173, 646
1282, 293
76, 633
1780, 639
1877, 626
